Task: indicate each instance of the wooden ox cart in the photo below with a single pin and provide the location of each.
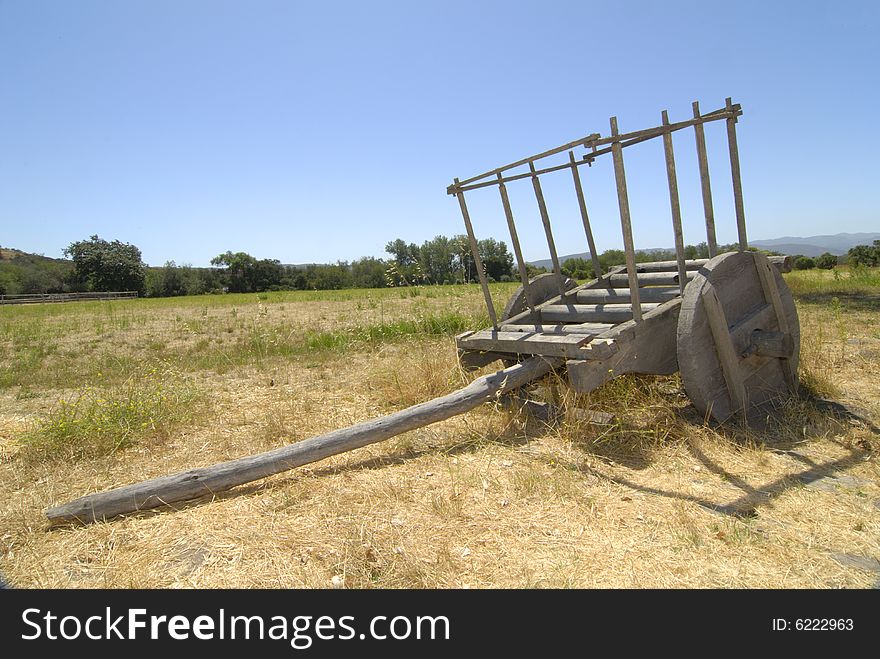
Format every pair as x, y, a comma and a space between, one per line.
727, 322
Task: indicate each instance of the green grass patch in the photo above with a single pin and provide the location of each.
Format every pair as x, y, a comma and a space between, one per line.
99, 421
842, 280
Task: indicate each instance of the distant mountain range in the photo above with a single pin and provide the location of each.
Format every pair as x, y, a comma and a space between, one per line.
839, 243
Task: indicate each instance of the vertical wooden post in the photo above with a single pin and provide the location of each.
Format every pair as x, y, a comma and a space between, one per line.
708, 211
674, 204
737, 181
514, 239
542, 207
626, 226
724, 347
477, 260
597, 267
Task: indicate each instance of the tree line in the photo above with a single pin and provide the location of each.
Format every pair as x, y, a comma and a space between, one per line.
99, 265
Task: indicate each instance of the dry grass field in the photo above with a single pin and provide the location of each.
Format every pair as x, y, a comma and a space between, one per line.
100, 394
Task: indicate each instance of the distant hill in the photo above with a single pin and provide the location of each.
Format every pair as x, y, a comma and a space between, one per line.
836, 244
11, 254
21, 272
547, 263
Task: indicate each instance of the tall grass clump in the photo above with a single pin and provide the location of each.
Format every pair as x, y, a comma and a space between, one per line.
445, 323
99, 421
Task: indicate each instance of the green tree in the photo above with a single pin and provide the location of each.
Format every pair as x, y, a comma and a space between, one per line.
826, 261
238, 270
107, 266
803, 262
578, 268
245, 274
437, 258
864, 254
368, 272
497, 261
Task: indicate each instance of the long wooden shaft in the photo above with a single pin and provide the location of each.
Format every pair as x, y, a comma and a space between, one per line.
475, 252
206, 481
597, 267
674, 204
705, 184
737, 181
625, 224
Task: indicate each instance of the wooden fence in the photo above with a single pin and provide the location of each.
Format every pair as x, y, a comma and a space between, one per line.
39, 298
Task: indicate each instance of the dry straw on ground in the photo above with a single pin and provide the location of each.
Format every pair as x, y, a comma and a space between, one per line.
644, 496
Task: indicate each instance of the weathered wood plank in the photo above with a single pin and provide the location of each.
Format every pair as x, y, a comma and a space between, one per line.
674, 203
548, 231
625, 223
737, 179
724, 347
526, 343
206, 481
621, 295
670, 266
593, 329
517, 251
705, 184
585, 313
646, 279
582, 204
475, 252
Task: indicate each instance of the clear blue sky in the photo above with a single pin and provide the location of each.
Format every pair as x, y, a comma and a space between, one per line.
317, 131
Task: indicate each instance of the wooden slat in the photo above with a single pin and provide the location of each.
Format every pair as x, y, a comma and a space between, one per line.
670, 266
582, 204
621, 295
647, 279
582, 313
771, 294
737, 180
517, 251
593, 329
674, 203
475, 252
724, 347
545, 220
705, 184
625, 224
527, 343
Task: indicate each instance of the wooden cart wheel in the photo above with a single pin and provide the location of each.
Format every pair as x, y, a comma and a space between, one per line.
738, 337
543, 287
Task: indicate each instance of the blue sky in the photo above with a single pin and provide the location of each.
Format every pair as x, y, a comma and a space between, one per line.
311, 132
